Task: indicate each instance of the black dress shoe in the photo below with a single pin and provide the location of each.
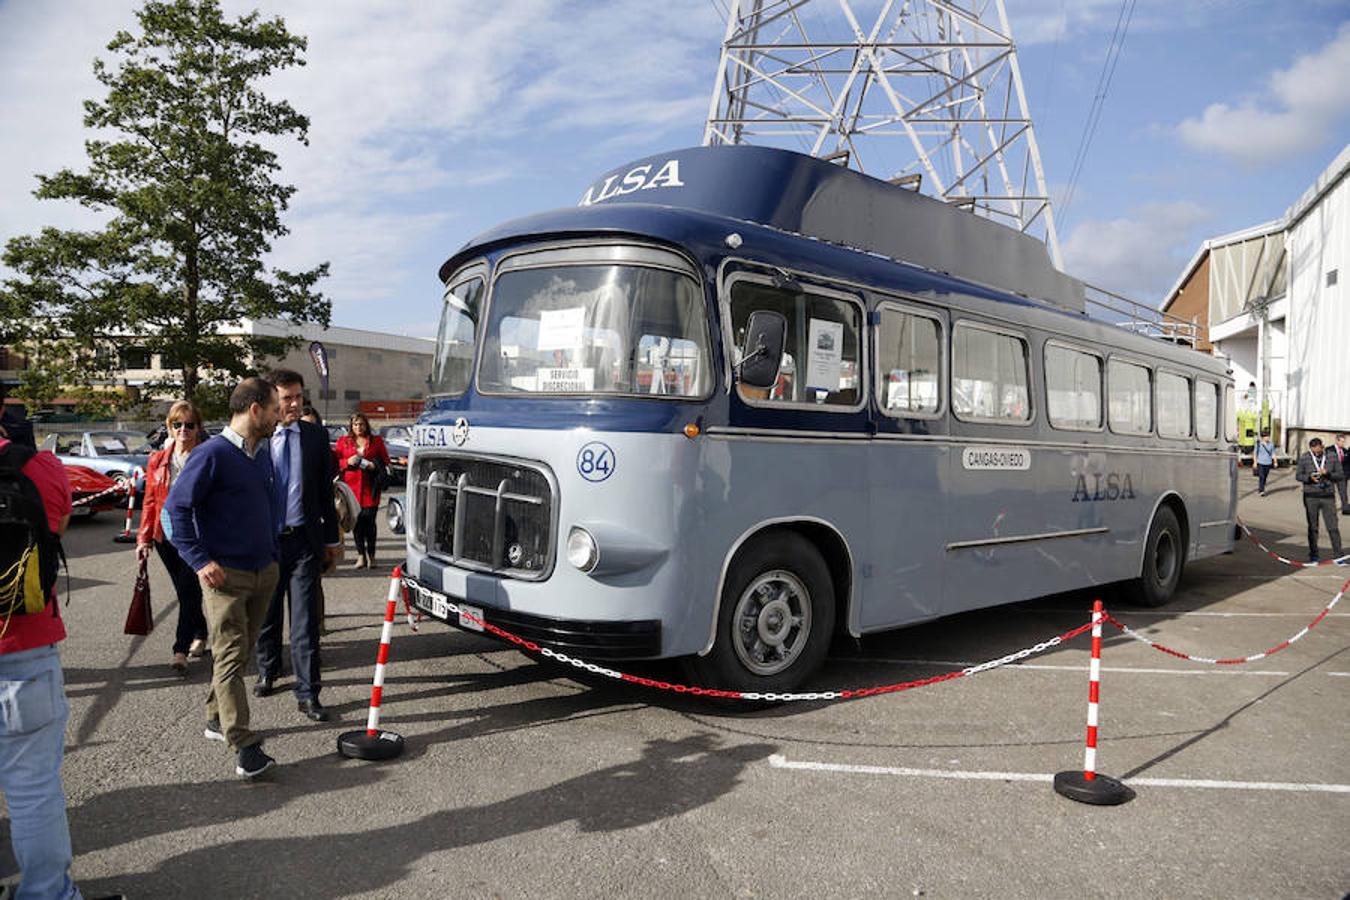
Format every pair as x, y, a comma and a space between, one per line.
262, 687
313, 709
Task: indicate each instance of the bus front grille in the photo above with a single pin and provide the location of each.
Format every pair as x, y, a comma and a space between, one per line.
488, 514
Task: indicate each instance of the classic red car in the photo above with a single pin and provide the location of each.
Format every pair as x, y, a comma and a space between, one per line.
85, 483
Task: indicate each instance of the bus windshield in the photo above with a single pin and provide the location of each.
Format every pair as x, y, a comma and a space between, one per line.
596, 329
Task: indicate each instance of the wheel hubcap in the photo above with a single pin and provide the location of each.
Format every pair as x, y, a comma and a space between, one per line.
772, 622
1164, 558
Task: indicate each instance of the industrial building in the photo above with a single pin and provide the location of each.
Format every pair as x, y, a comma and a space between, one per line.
1271, 300
364, 366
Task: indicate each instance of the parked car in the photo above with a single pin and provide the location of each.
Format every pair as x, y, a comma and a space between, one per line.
112, 453
335, 432
398, 441
85, 482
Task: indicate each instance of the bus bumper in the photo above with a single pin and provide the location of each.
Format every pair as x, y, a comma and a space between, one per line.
582, 638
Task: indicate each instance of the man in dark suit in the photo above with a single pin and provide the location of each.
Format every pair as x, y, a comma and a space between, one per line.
308, 542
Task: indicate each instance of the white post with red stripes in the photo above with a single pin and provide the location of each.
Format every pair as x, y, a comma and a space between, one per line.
126, 537
1087, 786
372, 743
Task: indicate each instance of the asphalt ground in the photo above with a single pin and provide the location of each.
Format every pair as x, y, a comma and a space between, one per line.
521, 780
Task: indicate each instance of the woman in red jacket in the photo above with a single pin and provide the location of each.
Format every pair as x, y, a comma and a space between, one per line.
363, 457
185, 433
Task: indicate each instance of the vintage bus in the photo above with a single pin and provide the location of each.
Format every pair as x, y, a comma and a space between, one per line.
739, 400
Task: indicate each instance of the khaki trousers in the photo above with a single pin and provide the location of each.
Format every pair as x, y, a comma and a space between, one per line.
234, 613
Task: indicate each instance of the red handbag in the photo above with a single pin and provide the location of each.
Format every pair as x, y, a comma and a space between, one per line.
140, 620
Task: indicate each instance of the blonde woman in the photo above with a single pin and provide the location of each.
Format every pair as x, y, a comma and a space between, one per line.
185, 433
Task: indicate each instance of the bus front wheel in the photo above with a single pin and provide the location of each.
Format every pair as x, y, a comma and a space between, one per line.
775, 619
1164, 558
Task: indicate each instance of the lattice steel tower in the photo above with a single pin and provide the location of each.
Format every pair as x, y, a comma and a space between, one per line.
926, 93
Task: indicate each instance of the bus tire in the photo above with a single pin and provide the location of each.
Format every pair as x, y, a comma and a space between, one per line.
775, 620
1164, 559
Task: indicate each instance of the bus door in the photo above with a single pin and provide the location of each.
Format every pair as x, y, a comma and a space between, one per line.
906, 463
995, 508
802, 443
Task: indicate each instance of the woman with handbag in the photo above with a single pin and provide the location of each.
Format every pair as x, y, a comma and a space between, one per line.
365, 465
185, 433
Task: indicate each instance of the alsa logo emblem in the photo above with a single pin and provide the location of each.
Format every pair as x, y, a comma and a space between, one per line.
1112, 486
639, 178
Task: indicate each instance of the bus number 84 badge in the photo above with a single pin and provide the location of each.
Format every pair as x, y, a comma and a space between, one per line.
595, 461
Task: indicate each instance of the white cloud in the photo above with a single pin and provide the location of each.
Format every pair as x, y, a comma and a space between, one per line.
421, 121
1139, 255
1294, 114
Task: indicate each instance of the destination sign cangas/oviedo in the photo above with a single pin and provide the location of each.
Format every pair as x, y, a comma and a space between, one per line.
638, 178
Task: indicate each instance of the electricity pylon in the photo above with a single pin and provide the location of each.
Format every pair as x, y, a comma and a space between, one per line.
926, 93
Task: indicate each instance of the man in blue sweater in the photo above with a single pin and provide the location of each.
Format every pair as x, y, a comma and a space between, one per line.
222, 509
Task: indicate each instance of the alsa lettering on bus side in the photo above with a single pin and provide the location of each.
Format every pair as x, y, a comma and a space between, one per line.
639, 178
1004, 459
1104, 486
429, 436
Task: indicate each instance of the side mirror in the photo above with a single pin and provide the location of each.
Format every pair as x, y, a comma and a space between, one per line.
763, 350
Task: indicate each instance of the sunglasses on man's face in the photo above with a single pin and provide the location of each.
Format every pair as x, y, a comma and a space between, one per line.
185, 426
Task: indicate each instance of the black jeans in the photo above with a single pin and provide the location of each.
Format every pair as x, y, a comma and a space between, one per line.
1262, 470
1325, 506
298, 578
191, 619
364, 530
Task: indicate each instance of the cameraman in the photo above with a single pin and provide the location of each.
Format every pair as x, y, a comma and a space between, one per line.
1319, 471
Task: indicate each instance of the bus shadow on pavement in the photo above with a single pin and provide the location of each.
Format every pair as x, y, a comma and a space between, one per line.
668, 779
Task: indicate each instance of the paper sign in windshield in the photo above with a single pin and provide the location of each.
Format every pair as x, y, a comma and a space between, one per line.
825, 363
566, 380
561, 329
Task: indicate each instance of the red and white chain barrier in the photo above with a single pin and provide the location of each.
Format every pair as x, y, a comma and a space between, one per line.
126, 536
772, 697
1286, 560
374, 743
1094, 694
1088, 786
85, 501
382, 658
1239, 660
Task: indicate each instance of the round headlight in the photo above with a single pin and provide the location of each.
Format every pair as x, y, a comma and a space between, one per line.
581, 549
394, 516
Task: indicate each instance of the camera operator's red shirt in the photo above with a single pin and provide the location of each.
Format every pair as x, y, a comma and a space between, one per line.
24, 632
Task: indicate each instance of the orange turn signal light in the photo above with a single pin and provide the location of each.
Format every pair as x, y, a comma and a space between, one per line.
691, 430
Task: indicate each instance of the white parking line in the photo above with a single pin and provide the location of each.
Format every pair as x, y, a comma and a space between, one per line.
1305, 614
956, 664
778, 761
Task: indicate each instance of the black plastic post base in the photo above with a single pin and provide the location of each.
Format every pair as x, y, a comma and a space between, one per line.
125, 537
359, 745
1100, 791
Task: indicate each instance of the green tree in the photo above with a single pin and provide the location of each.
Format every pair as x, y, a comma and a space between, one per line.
193, 206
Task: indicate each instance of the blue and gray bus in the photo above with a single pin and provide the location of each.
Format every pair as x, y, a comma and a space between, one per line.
739, 400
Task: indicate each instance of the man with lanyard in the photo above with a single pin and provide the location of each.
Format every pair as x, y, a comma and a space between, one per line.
1318, 471
309, 542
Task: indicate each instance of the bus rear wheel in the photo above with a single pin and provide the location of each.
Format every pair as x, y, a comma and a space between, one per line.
775, 619
1164, 559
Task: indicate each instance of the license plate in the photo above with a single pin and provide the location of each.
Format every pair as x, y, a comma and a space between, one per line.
436, 604
474, 624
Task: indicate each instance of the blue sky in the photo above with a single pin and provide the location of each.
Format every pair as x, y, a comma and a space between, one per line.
432, 122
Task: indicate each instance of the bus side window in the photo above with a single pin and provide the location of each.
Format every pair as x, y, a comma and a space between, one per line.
823, 343
990, 375
909, 362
